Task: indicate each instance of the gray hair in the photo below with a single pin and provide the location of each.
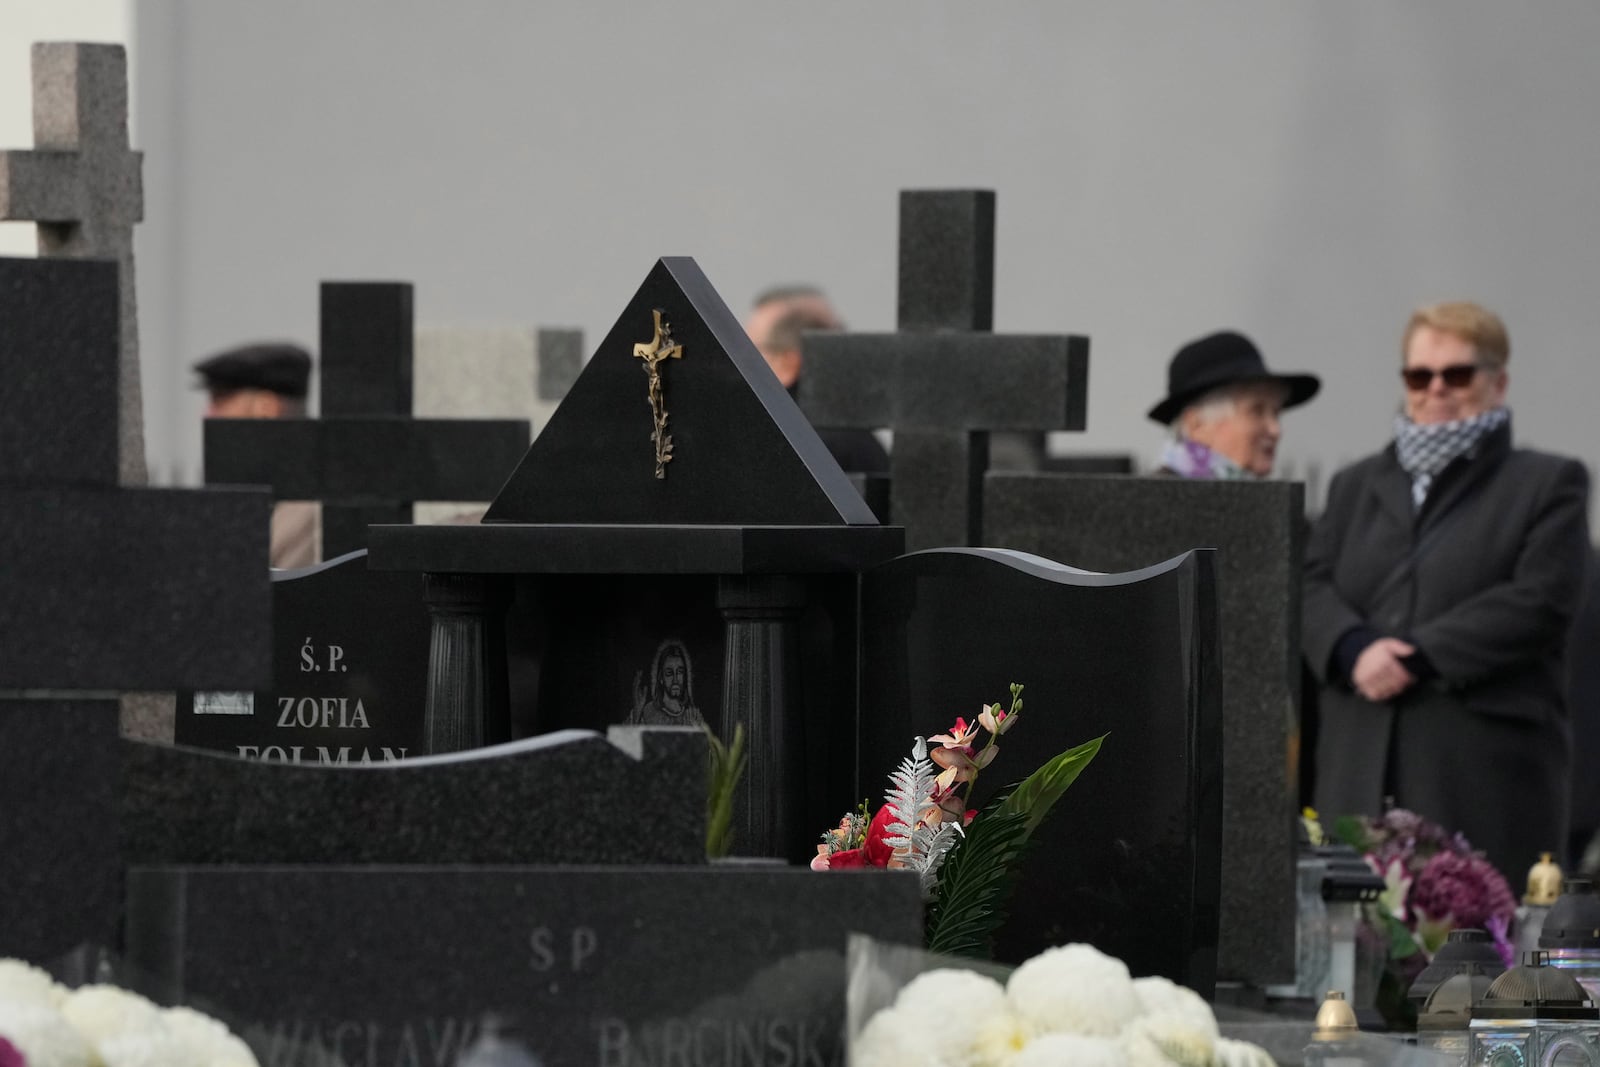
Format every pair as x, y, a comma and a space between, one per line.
1214, 405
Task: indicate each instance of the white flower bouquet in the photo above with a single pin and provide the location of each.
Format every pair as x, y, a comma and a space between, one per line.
43, 1024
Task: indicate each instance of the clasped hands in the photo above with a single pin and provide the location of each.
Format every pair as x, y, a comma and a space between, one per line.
1378, 674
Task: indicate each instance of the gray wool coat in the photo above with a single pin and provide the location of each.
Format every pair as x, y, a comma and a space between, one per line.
1485, 580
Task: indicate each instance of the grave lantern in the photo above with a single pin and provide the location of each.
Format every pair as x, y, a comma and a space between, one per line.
1535, 1014
1445, 1020
1333, 1040
1544, 888
1466, 952
1571, 934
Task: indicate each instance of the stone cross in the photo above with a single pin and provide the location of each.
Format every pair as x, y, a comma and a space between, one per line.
81, 185
366, 459
944, 381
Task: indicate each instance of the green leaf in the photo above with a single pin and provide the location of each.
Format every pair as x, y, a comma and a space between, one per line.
727, 767
1041, 789
1352, 830
975, 883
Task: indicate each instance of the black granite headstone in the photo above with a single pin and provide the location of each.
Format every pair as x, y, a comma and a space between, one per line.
106, 589
944, 382
350, 673
1128, 860
565, 797
569, 966
713, 580
1122, 524
366, 459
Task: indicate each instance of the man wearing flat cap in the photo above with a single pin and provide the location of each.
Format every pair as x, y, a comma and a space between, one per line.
1222, 405
268, 381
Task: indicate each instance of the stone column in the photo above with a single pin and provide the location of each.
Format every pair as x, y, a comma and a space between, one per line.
467, 694
761, 689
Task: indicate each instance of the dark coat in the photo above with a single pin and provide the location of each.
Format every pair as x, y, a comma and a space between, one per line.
1484, 747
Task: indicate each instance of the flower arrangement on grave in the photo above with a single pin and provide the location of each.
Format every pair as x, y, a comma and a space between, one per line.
1070, 1006
1436, 883
966, 858
43, 1024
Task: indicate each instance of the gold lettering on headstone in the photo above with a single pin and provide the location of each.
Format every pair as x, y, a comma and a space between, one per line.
660, 347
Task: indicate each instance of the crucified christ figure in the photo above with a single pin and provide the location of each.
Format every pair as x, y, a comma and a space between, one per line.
661, 347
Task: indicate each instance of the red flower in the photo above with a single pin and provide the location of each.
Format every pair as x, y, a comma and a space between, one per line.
877, 849
847, 857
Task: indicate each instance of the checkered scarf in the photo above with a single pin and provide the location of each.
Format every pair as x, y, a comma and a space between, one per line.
1425, 450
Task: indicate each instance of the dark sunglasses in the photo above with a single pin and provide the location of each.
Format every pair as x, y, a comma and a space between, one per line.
1456, 376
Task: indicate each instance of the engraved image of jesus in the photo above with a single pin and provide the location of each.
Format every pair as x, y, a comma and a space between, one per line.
668, 699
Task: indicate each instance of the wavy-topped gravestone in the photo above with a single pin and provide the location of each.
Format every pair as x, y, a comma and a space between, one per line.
636, 796
1128, 859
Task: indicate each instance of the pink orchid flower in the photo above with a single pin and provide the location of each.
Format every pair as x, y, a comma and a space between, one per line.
959, 737
996, 719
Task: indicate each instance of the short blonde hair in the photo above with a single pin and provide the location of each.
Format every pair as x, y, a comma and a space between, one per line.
1473, 323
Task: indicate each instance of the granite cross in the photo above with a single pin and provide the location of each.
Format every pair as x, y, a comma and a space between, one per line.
81, 184
944, 381
107, 589
367, 459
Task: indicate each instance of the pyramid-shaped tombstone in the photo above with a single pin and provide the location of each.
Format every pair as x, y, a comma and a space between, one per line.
678, 420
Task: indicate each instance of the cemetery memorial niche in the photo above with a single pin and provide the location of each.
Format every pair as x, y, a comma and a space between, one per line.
108, 589
349, 673
944, 382
366, 459
1258, 529
677, 546
1129, 860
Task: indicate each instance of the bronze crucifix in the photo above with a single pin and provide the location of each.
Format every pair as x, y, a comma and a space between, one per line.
660, 347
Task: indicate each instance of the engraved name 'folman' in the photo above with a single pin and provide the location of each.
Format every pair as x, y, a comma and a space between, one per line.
659, 348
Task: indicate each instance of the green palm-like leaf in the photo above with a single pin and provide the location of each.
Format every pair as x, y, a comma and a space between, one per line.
727, 767
975, 883
1041, 789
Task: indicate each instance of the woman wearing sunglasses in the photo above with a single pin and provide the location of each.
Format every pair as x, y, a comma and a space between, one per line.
1440, 585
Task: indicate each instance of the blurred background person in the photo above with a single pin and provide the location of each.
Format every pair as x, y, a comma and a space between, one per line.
1441, 582
268, 381
1223, 407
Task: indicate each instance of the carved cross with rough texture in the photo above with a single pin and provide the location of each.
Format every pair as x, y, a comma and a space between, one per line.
81, 184
660, 347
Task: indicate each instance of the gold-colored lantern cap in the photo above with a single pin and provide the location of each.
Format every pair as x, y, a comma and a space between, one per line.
1544, 882
1336, 1018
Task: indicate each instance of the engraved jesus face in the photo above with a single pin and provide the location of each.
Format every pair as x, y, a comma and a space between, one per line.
674, 677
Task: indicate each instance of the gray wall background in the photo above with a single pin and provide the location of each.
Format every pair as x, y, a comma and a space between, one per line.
1306, 172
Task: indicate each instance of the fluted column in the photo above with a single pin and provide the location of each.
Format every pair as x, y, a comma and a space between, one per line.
467, 699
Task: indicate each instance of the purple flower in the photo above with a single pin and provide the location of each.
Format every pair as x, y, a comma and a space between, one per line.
1465, 889
9, 1056
1500, 929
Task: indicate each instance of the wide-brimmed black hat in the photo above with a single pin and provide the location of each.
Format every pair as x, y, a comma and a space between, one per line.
276, 367
1225, 358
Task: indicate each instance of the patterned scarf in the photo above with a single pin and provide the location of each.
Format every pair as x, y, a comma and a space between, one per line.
1191, 459
1424, 451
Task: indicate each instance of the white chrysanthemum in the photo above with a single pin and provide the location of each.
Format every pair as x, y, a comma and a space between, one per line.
212, 1041
26, 983
1230, 1053
1070, 1050
997, 1038
101, 1011
1139, 1051
896, 1037
1178, 1037
948, 993
43, 1037
156, 1047
1160, 997
1074, 989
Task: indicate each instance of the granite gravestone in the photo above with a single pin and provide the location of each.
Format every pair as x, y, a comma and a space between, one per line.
509, 372
107, 589
677, 546
82, 185
366, 459
1120, 524
413, 876
944, 381
1129, 859
349, 665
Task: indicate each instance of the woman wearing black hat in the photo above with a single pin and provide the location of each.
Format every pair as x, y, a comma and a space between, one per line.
1440, 584
1223, 406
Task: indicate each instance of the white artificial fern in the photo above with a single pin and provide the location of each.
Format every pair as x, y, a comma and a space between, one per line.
920, 848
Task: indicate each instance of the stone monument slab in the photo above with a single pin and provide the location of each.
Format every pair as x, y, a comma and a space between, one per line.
1258, 529
1129, 859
